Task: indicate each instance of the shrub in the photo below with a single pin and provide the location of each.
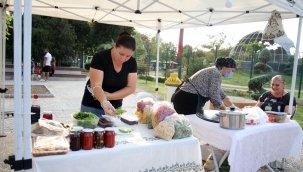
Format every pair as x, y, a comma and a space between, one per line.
148, 78
161, 80
66, 63
87, 65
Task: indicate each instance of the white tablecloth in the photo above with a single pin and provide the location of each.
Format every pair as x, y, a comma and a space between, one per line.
139, 151
253, 146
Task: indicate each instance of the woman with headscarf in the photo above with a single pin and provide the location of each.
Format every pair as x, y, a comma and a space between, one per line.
204, 85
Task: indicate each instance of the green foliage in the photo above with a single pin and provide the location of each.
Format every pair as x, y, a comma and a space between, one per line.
84, 116
87, 65
148, 78
255, 84
66, 63
289, 66
264, 56
9, 25
161, 80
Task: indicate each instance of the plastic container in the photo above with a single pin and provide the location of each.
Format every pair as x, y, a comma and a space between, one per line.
85, 123
271, 118
49, 145
35, 109
252, 120
87, 139
98, 138
104, 122
109, 137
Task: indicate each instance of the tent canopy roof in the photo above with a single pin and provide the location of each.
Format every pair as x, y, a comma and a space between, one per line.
164, 14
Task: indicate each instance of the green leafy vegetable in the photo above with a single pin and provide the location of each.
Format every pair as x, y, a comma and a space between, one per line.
84, 116
120, 111
126, 130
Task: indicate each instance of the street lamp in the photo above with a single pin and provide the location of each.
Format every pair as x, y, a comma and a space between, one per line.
216, 55
166, 62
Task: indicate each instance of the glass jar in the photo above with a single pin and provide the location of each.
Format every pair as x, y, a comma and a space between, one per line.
48, 115
98, 138
80, 130
74, 140
109, 137
87, 139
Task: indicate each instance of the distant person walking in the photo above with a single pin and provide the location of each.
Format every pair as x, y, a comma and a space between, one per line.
46, 65
33, 65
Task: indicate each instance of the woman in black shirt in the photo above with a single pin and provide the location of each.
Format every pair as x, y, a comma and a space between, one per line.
113, 76
277, 99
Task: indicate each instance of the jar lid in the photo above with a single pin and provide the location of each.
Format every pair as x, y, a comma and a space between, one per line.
78, 128
233, 112
110, 129
88, 130
47, 112
98, 129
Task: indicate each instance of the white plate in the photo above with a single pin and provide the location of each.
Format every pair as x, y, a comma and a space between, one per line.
276, 113
119, 132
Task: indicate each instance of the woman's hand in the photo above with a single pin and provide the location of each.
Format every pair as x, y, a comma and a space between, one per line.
108, 108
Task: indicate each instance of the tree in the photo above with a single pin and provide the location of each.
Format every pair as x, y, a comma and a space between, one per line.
56, 34
217, 41
290, 65
256, 84
82, 31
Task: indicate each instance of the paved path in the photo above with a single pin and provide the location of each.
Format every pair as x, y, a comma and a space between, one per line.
67, 100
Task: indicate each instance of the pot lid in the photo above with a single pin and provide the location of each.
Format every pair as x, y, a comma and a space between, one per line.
232, 111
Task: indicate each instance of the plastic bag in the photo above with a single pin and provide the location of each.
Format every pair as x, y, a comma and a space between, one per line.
46, 127
255, 113
149, 121
160, 111
165, 130
115, 120
141, 105
182, 126
147, 110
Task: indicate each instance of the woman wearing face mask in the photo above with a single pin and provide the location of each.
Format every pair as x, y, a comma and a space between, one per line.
204, 85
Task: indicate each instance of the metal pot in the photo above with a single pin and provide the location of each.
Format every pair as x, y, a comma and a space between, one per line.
232, 119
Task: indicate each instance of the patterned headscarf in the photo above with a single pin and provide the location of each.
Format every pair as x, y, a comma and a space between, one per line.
226, 61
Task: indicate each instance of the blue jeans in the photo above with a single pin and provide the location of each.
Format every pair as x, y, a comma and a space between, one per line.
96, 111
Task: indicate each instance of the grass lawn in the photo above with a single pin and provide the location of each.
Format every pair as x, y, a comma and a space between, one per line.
149, 86
242, 78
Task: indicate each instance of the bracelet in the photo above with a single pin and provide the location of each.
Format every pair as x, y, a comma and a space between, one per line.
96, 87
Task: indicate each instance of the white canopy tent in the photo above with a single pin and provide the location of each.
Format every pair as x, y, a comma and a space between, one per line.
154, 14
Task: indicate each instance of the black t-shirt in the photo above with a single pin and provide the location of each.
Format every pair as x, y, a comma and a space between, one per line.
274, 102
112, 80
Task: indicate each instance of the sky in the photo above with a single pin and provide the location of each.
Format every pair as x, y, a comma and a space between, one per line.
198, 36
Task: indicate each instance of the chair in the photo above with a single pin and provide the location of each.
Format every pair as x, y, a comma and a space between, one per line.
284, 159
142, 95
293, 115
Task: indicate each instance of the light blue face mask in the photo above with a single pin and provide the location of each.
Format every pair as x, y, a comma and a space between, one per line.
228, 74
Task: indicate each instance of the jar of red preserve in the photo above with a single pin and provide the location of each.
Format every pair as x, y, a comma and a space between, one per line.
87, 139
109, 137
98, 138
74, 138
80, 130
48, 115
